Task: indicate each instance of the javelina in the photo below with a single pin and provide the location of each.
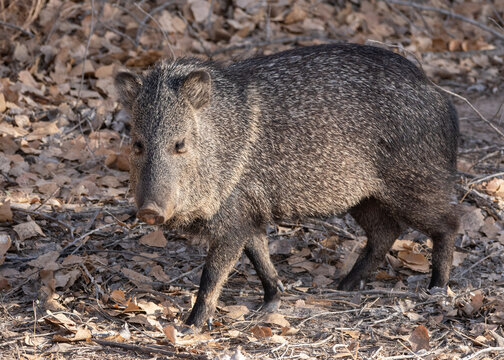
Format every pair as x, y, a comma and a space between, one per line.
221, 151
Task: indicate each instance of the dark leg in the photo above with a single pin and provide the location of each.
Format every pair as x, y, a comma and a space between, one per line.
442, 259
429, 210
381, 230
257, 251
442, 230
222, 256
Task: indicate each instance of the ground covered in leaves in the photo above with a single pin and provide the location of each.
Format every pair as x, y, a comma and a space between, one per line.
80, 278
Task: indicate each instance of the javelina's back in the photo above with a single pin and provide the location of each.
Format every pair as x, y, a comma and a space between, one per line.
339, 123
222, 151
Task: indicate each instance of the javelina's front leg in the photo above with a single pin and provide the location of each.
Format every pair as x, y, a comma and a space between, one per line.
257, 251
222, 256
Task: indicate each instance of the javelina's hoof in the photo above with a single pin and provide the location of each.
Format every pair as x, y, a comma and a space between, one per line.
187, 330
270, 306
351, 283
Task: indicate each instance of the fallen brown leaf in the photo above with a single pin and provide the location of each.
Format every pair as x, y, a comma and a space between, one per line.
276, 319
170, 333
27, 230
5, 243
414, 261
155, 238
261, 331
419, 338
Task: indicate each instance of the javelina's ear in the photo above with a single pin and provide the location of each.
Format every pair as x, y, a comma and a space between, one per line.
196, 88
127, 85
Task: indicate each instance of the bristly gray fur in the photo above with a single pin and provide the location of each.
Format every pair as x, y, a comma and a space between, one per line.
313, 131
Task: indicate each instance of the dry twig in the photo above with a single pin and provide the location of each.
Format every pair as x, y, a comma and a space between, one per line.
448, 13
70, 228
284, 40
18, 28
150, 350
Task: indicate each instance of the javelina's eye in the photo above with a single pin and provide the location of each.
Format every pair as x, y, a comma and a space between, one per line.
137, 147
180, 147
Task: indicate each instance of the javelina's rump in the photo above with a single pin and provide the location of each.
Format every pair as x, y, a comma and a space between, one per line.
223, 151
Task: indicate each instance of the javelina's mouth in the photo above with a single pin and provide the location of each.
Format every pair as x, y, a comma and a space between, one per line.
152, 214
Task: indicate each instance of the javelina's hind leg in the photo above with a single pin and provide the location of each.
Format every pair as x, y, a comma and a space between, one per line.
442, 254
428, 209
257, 251
222, 256
440, 222
381, 230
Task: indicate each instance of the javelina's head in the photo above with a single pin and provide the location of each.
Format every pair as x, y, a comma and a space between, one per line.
170, 173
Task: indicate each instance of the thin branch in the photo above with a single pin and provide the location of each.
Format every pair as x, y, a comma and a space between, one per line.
150, 350
476, 181
448, 13
495, 128
185, 274
120, 33
92, 27
84, 236
495, 253
159, 27
18, 28
284, 40
47, 217
377, 292
478, 353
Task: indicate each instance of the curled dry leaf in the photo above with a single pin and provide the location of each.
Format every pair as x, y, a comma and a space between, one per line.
277, 339
147, 321
295, 15
236, 312
286, 331
261, 332
66, 279
419, 338
477, 300
149, 307
4, 283
41, 130
321, 281
46, 261
61, 320
27, 230
155, 238
495, 187
82, 333
276, 319
403, 245
475, 304
3, 105
131, 307
458, 258
136, 277
200, 10
383, 275
170, 333
413, 261
5, 243
72, 260
118, 296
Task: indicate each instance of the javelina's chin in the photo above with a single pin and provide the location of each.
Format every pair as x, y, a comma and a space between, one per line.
176, 222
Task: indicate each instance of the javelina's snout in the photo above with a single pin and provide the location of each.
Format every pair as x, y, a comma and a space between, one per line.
153, 214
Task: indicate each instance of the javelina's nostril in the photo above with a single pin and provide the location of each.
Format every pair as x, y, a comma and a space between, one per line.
150, 214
